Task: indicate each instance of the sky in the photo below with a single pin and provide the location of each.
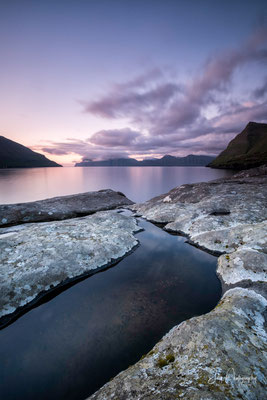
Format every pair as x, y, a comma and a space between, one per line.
100, 79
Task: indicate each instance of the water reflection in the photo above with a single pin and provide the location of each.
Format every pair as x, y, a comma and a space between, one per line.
138, 183
69, 347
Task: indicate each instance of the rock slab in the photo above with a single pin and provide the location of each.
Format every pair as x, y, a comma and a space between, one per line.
59, 208
225, 216
35, 258
209, 207
220, 355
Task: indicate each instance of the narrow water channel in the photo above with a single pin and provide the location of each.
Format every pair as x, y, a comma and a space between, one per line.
70, 346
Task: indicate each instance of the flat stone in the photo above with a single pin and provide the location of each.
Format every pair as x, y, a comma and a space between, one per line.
221, 216
59, 208
35, 258
242, 236
220, 355
244, 267
203, 207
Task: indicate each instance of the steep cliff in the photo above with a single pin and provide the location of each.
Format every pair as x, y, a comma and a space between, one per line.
247, 150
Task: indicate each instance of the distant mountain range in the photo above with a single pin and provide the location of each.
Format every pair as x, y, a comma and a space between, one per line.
14, 155
166, 161
247, 150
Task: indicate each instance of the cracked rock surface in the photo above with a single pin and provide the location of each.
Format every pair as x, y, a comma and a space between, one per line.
222, 216
37, 257
223, 354
211, 206
59, 208
220, 355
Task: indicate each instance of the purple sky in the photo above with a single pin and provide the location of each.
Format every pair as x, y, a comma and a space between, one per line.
140, 78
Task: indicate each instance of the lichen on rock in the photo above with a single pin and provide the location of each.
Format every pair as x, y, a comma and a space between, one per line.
35, 258
220, 355
223, 354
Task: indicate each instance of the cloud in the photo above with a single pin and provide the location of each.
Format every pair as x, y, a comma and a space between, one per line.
115, 138
84, 150
216, 77
207, 137
167, 116
261, 91
169, 106
100, 146
53, 150
136, 104
142, 80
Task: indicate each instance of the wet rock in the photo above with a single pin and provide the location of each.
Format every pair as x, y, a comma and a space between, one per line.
220, 355
59, 208
38, 257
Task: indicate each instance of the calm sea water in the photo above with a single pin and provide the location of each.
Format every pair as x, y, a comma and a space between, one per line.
70, 346
137, 183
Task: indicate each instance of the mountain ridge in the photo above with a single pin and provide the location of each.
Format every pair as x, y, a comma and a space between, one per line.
15, 155
167, 161
247, 150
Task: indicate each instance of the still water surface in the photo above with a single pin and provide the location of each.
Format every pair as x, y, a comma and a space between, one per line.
70, 346
137, 183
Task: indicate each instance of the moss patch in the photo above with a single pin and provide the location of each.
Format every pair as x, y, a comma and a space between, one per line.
162, 362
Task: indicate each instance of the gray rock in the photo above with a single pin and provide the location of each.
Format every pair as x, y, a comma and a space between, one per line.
210, 206
223, 354
35, 258
59, 208
242, 236
223, 216
244, 267
220, 355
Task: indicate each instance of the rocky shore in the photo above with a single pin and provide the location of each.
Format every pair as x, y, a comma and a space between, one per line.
36, 258
223, 354
220, 355
63, 207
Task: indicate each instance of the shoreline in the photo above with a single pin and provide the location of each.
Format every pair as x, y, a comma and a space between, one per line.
221, 354
227, 218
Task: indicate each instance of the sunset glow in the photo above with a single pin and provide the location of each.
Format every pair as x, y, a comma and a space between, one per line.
104, 79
